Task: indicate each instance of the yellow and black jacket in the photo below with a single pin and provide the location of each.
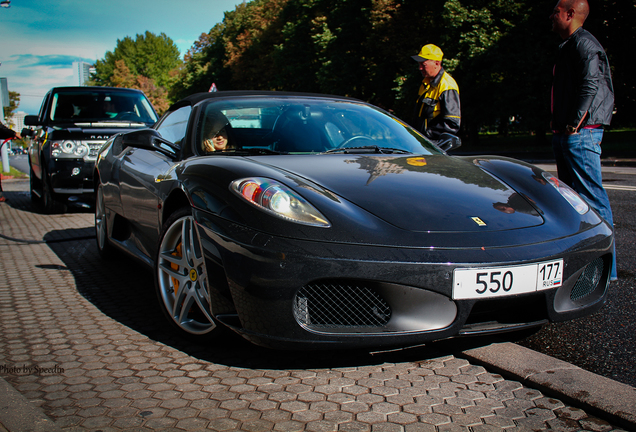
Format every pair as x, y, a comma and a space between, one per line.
437, 108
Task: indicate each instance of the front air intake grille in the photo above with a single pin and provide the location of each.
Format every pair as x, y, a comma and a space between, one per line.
329, 305
588, 281
93, 147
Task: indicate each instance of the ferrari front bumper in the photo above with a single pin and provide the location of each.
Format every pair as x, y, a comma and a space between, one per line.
290, 293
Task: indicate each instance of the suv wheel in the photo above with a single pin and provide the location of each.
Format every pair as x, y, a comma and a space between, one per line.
49, 204
33, 185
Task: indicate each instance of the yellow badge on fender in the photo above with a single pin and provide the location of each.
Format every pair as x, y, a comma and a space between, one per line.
416, 161
478, 221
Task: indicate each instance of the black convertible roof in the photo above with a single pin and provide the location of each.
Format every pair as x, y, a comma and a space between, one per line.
195, 98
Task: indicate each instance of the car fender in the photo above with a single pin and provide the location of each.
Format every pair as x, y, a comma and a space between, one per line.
527, 179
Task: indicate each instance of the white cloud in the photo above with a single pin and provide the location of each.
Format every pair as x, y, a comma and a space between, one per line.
37, 37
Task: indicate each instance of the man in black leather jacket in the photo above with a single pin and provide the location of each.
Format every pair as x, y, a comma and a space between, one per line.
582, 104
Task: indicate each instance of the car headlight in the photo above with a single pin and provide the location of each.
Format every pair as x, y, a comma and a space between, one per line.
278, 200
568, 193
68, 149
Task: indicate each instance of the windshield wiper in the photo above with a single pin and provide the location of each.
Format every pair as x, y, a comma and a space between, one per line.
365, 149
255, 151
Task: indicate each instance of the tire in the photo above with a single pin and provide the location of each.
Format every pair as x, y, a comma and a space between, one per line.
104, 247
33, 185
49, 204
181, 277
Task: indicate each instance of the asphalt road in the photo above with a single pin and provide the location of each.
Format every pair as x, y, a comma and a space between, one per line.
605, 342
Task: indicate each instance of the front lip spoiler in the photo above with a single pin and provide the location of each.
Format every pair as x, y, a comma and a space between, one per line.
68, 191
493, 327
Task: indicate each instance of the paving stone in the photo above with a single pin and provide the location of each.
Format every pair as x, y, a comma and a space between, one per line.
124, 368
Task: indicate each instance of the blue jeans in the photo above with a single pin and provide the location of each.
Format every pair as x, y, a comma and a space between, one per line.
578, 160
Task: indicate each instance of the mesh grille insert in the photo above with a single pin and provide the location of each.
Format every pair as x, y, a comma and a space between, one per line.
333, 305
588, 281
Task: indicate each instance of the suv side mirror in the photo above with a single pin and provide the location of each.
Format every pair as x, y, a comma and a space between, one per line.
449, 142
26, 132
31, 120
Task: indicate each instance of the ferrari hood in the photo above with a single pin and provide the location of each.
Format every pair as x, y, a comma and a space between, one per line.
419, 193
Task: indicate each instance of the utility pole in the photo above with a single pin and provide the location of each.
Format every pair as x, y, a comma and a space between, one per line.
4, 97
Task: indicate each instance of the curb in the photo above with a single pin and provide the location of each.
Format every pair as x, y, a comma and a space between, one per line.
17, 414
611, 400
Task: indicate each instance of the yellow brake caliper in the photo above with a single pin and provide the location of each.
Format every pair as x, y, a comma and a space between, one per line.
175, 267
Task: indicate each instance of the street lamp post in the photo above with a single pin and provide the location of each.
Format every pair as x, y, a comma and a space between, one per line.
3, 151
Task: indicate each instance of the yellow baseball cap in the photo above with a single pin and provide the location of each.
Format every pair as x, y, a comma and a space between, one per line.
429, 52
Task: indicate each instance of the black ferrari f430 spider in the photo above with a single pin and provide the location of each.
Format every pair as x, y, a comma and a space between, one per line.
314, 221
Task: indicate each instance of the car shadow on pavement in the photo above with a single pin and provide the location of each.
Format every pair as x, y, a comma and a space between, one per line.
21, 200
123, 290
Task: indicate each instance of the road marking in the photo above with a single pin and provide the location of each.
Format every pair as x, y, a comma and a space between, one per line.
619, 187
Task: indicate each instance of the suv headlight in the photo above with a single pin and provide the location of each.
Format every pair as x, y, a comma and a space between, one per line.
68, 149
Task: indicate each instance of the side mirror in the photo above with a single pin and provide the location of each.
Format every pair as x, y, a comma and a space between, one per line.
150, 139
31, 120
449, 142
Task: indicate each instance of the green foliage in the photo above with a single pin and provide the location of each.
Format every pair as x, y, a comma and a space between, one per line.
14, 101
500, 52
149, 63
147, 55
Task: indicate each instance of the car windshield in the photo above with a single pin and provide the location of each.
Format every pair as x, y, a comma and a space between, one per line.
281, 125
89, 106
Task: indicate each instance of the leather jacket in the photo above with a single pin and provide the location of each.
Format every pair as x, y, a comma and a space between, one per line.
582, 90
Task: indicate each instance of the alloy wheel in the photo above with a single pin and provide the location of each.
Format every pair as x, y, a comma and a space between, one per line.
182, 277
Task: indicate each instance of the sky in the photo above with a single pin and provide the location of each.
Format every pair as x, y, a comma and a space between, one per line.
40, 39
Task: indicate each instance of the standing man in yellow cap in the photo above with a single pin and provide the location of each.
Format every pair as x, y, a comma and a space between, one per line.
437, 107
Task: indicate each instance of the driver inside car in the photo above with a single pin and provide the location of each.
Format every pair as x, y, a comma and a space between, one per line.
109, 108
218, 142
216, 133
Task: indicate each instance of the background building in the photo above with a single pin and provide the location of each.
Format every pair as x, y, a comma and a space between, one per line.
17, 121
81, 72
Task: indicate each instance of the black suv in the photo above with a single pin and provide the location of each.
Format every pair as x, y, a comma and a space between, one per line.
72, 125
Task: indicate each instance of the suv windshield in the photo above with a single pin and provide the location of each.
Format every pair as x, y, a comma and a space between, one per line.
97, 106
273, 125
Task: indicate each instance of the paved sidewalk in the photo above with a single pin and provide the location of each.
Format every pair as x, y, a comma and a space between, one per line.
83, 347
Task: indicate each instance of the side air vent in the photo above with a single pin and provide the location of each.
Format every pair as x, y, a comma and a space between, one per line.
588, 281
330, 305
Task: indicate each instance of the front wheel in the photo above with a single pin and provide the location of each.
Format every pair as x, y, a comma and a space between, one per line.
49, 202
33, 185
104, 247
181, 276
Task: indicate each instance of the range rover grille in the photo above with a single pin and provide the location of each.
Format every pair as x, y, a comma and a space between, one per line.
340, 305
93, 149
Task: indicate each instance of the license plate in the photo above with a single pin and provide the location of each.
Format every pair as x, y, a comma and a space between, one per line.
487, 282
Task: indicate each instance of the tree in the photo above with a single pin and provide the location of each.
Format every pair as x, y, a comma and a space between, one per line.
158, 96
501, 53
148, 63
14, 101
148, 55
